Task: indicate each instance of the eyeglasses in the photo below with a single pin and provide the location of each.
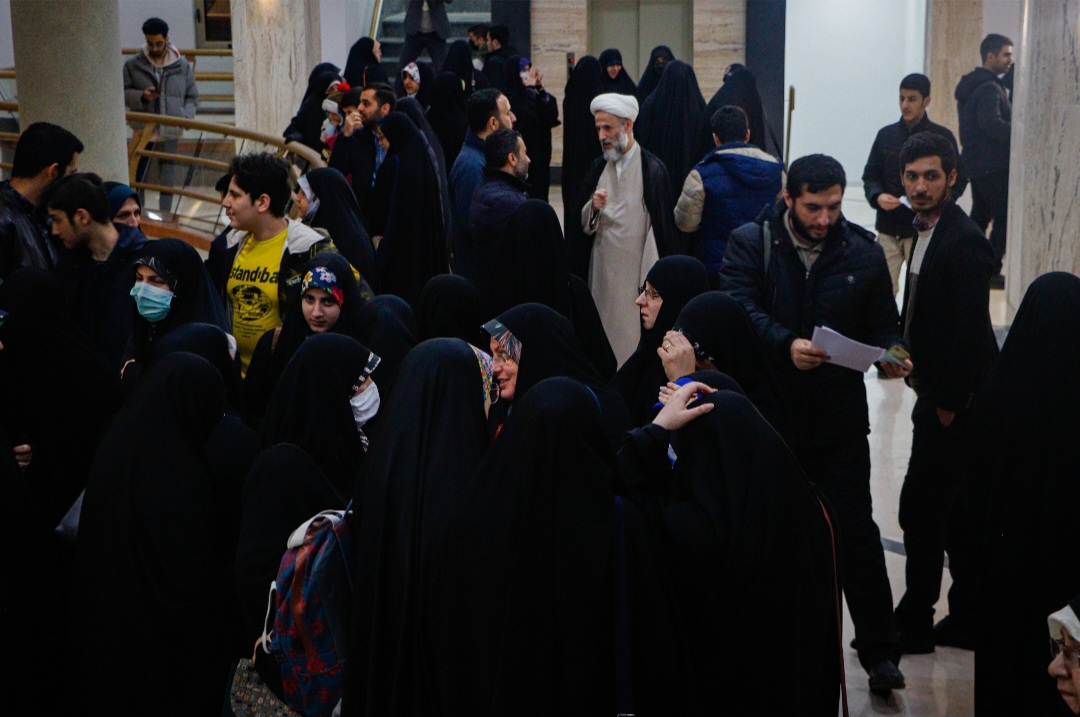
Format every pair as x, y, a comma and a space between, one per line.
502, 359
1071, 654
651, 294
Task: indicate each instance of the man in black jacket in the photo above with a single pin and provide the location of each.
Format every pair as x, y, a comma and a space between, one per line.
985, 112
946, 320
504, 189
806, 266
881, 177
357, 153
426, 27
45, 153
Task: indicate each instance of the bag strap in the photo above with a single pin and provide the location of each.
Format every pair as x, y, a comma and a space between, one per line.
624, 691
839, 609
766, 245
271, 609
277, 335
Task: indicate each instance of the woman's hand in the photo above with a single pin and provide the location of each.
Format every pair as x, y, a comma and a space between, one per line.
674, 415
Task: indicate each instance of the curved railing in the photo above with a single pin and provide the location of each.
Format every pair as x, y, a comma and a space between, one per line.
190, 164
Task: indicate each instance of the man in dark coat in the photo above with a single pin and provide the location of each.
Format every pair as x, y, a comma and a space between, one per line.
45, 153
499, 53
99, 271
626, 221
426, 27
946, 320
357, 153
503, 190
881, 177
800, 267
985, 112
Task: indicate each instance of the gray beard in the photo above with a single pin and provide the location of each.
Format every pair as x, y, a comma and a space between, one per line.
618, 148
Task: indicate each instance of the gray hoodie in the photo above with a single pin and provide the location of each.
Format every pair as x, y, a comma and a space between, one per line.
175, 80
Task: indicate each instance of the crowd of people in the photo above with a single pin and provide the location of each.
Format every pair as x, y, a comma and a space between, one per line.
431, 449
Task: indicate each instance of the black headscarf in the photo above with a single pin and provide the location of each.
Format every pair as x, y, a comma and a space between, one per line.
672, 123
740, 90
388, 326
447, 115
1022, 470
433, 439
580, 144
530, 265
522, 600
622, 82
750, 554
459, 61
272, 355
59, 393
310, 407
363, 68
340, 215
724, 333
212, 344
154, 553
549, 348
410, 107
677, 279
306, 125
406, 210
450, 308
650, 78
194, 299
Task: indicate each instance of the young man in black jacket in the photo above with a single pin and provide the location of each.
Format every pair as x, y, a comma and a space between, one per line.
881, 177
819, 270
357, 153
946, 320
985, 113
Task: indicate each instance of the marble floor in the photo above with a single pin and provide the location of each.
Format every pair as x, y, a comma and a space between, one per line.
941, 683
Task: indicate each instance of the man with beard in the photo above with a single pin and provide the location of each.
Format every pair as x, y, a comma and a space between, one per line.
626, 220
503, 190
357, 153
946, 322
799, 266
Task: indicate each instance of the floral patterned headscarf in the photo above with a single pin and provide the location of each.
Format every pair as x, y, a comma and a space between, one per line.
322, 278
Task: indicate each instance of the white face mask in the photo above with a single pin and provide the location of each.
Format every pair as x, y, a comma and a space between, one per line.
365, 405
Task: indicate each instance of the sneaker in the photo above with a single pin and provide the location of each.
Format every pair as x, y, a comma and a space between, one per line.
885, 677
949, 632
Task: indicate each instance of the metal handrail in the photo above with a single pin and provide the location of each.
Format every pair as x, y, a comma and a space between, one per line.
376, 18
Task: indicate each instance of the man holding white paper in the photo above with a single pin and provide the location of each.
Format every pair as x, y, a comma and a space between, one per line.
797, 267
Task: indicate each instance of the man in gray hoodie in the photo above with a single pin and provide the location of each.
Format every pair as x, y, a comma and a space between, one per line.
159, 80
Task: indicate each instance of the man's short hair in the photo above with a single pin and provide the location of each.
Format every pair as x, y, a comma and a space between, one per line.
155, 26
223, 182
928, 144
919, 83
729, 124
992, 44
814, 173
83, 190
481, 106
479, 29
263, 173
498, 147
384, 94
500, 33
42, 145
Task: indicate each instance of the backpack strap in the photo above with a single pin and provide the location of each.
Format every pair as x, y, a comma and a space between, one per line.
277, 335
624, 692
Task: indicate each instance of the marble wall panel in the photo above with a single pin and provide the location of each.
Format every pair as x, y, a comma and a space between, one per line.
719, 40
1044, 181
954, 29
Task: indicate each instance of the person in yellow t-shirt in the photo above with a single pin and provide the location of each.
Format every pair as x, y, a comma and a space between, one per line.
253, 292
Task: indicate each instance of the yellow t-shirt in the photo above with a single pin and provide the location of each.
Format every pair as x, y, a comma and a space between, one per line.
253, 290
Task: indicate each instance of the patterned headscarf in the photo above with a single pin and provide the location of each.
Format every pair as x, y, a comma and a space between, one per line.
322, 278
487, 376
509, 343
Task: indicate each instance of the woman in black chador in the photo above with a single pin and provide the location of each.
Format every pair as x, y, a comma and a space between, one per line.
621, 82
450, 309
339, 214
676, 280
1023, 479
740, 90
580, 144
363, 67
650, 78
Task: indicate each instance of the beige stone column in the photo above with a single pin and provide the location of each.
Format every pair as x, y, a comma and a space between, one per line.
69, 72
276, 43
954, 29
1044, 179
719, 40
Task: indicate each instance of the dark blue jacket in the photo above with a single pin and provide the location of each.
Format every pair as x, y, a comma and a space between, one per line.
848, 290
493, 203
985, 114
725, 190
465, 176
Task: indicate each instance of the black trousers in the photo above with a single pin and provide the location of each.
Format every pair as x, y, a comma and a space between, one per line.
842, 472
990, 192
933, 519
415, 44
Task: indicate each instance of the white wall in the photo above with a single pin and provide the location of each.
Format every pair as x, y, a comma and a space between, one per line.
179, 14
343, 23
1004, 17
846, 59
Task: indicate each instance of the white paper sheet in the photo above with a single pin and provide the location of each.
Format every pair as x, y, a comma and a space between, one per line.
846, 352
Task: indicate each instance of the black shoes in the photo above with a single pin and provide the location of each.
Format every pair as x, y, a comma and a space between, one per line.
949, 632
885, 677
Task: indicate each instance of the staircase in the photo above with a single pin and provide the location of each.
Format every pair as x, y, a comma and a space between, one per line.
462, 14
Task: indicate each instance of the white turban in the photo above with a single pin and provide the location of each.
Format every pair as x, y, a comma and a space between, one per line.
624, 106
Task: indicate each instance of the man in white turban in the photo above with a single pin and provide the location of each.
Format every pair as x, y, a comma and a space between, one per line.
626, 221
